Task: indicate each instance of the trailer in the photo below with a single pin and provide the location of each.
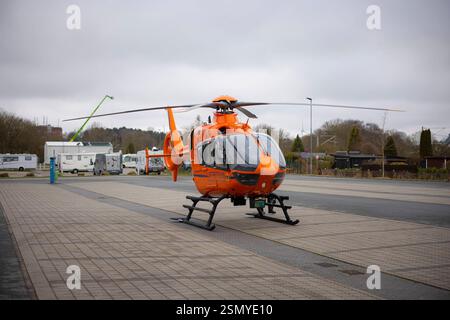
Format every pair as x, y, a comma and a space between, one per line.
19, 162
129, 160
53, 148
154, 164
108, 163
76, 162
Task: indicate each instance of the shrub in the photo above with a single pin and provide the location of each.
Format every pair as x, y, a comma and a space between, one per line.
4, 175
433, 174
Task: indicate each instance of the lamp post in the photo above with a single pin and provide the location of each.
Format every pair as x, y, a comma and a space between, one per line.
310, 137
382, 146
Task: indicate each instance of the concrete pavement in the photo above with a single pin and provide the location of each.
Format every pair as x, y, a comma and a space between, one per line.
118, 230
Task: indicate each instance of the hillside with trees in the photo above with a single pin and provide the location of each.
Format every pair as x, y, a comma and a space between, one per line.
125, 139
355, 135
19, 135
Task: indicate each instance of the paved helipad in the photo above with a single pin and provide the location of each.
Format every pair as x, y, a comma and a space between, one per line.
119, 232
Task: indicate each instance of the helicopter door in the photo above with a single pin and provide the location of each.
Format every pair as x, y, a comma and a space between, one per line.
205, 157
220, 161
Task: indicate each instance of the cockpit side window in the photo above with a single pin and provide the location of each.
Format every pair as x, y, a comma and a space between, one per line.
271, 148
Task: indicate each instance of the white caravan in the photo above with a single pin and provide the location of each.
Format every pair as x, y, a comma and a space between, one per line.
76, 162
19, 162
53, 148
129, 160
155, 164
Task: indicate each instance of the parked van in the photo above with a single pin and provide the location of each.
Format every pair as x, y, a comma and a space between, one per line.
76, 162
155, 164
129, 160
19, 162
108, 163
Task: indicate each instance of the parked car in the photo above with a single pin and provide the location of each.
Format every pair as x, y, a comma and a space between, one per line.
129, 160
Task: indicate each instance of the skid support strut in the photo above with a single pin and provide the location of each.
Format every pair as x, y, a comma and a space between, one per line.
195, 200
275, 201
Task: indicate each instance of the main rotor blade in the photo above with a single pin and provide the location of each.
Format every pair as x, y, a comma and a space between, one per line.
238, 104
131, 111
194, 107
247, 112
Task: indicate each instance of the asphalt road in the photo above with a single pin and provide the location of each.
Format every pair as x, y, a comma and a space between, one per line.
412, 211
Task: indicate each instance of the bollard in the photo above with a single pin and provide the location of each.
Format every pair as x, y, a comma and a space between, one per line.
52, 170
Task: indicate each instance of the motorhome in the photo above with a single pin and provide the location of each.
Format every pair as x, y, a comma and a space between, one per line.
110, 163
129, 160
53, 148
19, 162
154, 164
76, 162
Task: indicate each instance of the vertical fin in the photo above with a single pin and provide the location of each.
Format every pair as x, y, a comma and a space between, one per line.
173, 144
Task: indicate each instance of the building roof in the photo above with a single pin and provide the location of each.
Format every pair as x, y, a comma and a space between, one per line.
77, 143
438, 158
61, 143
18, 154
353, 155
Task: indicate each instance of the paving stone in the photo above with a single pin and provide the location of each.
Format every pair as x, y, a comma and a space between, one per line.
125, 255
361, 240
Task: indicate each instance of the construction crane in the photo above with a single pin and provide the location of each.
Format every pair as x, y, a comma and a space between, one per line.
89, 118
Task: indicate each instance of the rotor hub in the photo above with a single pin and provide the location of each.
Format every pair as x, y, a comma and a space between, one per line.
228, 99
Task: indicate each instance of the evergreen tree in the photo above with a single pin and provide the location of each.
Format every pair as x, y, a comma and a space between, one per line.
131, 148
426, 148
297, 145
354, 142
390, 150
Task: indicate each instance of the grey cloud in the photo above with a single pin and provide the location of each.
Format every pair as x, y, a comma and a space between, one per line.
157, 52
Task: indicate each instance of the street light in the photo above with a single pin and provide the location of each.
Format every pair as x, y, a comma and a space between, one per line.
310, 136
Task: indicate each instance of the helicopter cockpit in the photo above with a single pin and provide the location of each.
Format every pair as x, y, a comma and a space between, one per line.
238, 151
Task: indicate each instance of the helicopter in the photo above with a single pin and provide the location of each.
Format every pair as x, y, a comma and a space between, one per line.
228, 159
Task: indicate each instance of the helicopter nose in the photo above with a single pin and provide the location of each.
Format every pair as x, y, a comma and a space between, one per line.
269, 167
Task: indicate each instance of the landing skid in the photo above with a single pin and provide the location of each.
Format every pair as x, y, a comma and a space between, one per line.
195, 200
271, 203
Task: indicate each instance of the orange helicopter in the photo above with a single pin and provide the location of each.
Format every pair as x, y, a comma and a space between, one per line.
228, 159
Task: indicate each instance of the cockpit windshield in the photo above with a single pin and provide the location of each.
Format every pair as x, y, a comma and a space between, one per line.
235, 151
241, 151
271, 148
238, 151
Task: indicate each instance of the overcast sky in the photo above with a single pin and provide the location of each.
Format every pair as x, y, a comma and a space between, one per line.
150, 53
